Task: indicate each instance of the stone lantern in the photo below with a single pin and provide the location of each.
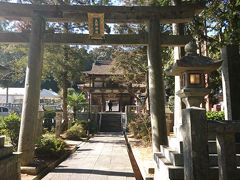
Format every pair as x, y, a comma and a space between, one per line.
192, 69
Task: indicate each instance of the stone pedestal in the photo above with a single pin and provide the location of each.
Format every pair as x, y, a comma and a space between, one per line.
9, 162
195, 144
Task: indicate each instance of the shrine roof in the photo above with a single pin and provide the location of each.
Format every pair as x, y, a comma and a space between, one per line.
103, 68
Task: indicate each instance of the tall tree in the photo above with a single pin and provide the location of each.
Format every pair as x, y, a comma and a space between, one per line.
66, 72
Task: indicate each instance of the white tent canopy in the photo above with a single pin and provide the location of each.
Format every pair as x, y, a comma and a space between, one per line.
48, 94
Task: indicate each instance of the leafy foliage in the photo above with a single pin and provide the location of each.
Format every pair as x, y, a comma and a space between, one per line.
77, 131
76, 101
218, 24
215, 115
133, 62
50, 146
102, 53
10, 126
140, 127
14, 57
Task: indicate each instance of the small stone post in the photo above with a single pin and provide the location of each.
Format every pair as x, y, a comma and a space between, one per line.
39, 125
58, 122
226, 150
32, 91
156, 88
195, 144
178, 52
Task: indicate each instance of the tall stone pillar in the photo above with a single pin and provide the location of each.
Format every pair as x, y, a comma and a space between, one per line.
156, 88
32, 91
178, 29
230, 81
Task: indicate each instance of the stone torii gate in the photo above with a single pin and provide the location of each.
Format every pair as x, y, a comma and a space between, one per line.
39, 14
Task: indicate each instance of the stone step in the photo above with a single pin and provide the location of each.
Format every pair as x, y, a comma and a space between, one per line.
175, 144
110, 120
111, 123
111, 116
212, 148
166, 170
172, 156
107, 128
176, 158
213, 160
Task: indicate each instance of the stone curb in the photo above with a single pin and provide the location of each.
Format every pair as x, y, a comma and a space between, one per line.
146, 168
136, 170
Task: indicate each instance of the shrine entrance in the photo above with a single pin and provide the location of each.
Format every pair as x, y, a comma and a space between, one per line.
39, 14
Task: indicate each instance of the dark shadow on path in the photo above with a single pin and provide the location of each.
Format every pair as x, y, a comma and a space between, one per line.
83, 150
94, 171
108, 142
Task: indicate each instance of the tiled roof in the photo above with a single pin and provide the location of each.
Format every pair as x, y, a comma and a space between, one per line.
103, 69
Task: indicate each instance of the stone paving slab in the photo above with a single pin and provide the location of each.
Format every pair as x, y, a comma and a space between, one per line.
104, 157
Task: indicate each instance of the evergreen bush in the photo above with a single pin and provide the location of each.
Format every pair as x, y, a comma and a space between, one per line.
215, 115
77, 131
10, 127
50, 146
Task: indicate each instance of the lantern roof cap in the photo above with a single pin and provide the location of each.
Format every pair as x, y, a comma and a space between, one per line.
193, 62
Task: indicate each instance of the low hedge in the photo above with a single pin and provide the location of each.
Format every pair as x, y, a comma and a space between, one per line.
50, 146
10, 127
77, 131
215, 115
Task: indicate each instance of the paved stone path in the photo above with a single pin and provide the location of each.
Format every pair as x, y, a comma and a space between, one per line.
104, 157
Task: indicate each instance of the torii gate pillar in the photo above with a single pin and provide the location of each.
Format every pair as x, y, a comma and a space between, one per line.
32, 91
156, 88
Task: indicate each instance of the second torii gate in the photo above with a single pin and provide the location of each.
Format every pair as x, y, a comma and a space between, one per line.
39, 14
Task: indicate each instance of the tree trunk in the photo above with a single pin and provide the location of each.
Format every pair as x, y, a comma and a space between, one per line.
64, 103
64, 126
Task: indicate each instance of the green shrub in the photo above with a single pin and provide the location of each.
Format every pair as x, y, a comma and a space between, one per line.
10, 126
50, 146
215, 115
140, 127
77, 131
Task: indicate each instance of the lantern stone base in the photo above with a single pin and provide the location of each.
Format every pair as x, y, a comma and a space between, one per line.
192, 97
